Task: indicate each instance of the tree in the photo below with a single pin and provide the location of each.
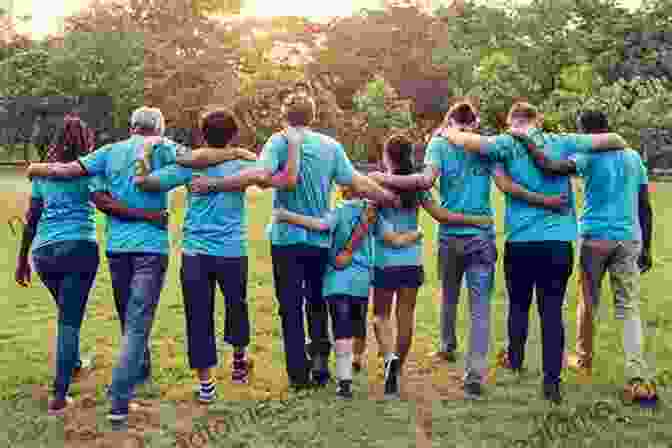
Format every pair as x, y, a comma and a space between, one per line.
188, 60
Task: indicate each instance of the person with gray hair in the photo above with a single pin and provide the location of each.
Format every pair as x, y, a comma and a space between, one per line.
137, 248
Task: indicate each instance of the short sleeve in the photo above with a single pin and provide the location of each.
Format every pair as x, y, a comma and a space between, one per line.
575, 144
424, 196
498, 149
96, 162
36, 189
270, 154
343, 171
331, 219
97, 184
643, 176
433, 153
581, 161
172, 176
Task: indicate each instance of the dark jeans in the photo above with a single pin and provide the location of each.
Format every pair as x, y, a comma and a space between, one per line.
137, 280
292, 265
348, 316
199, 274
545, 266
67, 269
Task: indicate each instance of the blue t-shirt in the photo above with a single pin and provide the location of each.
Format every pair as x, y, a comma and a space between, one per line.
215, 223
612, 183
400, 221
356, 278
524, 221
464, 185
115, 163
322, 162
67, 214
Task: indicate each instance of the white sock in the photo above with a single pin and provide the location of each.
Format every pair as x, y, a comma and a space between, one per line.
632, 337
344, 366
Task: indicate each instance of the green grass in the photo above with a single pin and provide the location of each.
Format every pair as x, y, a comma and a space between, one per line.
512, 411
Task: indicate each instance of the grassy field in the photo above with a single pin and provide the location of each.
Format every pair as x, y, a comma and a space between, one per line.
431, 415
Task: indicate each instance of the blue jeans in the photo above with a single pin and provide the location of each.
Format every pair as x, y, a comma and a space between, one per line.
137, 280
70, 289
475, 257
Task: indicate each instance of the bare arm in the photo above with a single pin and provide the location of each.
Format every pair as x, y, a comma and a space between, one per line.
508, 186
646, 223
469, 141
544, 163
309, 222
401, 239
412, 182
371, 190
57, 170
110, 206
22, 275
288, 177
608, 142
445, 216
205, 157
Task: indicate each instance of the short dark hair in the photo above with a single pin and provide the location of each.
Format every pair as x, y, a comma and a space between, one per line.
593, 121
218, 127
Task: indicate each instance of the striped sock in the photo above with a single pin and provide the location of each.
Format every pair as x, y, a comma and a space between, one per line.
207, 391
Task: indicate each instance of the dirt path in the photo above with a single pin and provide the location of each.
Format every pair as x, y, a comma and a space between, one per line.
424, 381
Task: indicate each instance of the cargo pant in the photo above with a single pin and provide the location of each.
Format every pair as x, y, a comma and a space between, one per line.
620, 259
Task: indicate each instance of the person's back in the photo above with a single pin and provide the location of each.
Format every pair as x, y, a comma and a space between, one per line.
322, 162
216, 224
118, 162
527, 222
355, 279
67, 214
398, 221
612, 184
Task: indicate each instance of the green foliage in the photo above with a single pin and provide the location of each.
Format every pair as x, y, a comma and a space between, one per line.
375, 102
630, 105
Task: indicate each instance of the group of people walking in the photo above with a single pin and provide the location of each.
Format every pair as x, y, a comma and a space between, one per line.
331, 263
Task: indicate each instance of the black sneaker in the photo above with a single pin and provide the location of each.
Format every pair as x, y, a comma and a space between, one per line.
118, 418
392, 368
344, 389
473, 391
320, 371
552, 393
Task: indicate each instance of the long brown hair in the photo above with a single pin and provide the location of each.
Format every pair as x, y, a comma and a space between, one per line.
399, 150
72, 141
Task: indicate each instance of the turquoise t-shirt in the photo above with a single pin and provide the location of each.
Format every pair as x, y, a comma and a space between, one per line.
524, 221
398, 220
67, 214
215, 223
464, 185
115, 163
612, 184
322, 162
355, 279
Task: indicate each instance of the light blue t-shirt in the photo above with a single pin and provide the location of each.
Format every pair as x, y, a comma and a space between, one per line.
215, 223
322, 162
464, 185
526, 222
612, 183
355, 279
400, 221
115, 163
67, 214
